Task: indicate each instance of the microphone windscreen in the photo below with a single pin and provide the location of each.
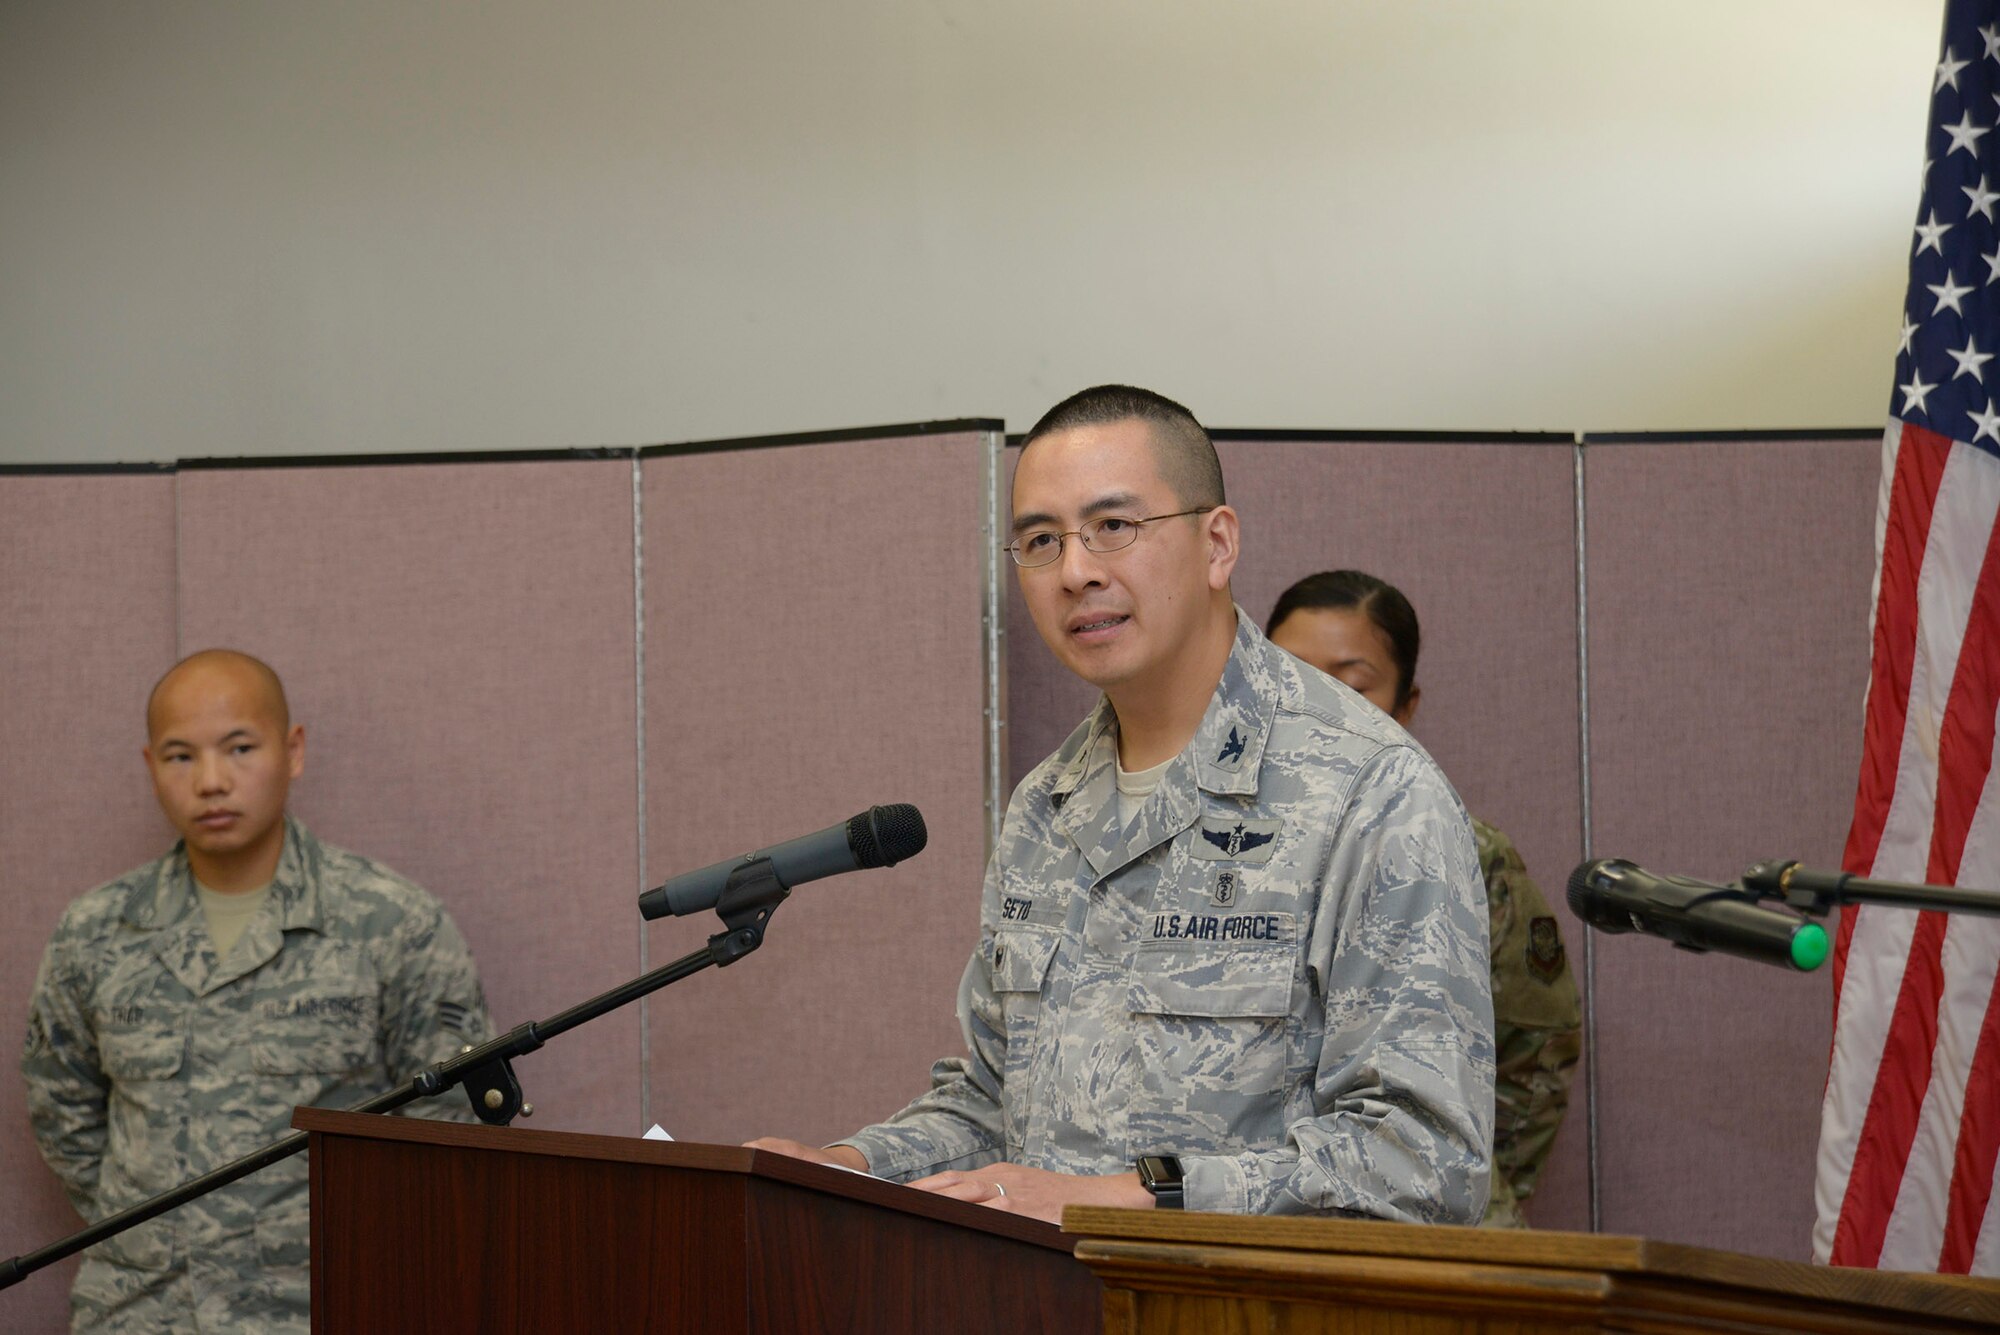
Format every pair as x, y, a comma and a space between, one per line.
1579, 888
1584, 903
884, 836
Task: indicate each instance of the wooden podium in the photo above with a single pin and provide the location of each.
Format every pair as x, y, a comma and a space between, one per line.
439, 1226
1220, 1274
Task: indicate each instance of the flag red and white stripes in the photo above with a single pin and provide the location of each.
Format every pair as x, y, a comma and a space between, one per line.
1911, 1121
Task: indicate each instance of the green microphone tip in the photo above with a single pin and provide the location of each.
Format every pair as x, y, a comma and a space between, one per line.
1809, 947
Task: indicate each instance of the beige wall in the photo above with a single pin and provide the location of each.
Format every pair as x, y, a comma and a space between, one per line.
236, 227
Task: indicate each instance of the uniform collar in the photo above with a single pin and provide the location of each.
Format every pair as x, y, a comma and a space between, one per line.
1223, 758
168, 907
1228, 747
170, 897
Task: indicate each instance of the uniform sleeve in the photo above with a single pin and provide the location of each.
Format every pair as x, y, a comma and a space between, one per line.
956, 1124
433, 1007
1401, 1118
1537, 1025
68, 1092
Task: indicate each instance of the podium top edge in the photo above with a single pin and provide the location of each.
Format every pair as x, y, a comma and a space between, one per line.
1613, 1255
687, 1156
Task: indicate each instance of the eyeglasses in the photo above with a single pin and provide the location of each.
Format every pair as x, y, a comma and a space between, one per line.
1107, 534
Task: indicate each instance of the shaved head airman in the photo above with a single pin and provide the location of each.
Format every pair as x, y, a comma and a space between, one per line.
215, 666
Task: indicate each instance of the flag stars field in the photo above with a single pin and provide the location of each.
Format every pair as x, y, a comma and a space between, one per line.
1957, 227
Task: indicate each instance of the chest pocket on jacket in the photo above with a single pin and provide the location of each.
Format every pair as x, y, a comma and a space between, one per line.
1210, 1019
1021, 959
319, 1032
1245, 981
130, 1054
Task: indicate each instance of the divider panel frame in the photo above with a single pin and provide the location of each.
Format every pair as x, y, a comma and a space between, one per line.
1728, 579
814, 645
86, 625
457, 638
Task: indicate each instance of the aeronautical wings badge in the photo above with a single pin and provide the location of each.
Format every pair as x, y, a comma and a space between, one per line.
1236, 839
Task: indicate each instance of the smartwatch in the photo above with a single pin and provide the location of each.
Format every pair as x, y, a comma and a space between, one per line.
1161, 1174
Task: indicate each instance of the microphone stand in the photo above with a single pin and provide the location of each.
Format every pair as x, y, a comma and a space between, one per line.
1817, 892
752, 893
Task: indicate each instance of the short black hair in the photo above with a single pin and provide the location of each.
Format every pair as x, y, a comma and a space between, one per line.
1382, 602
1186, 454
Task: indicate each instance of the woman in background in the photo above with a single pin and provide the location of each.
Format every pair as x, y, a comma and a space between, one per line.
1363, 632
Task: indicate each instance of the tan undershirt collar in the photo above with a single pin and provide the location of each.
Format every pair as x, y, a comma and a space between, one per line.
229, 914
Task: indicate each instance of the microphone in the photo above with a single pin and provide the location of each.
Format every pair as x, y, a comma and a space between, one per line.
878, 837
1615, 896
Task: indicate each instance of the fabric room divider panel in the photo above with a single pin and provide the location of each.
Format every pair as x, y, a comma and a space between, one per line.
504, 704
86, 625
457, 638
815, 644
1728, 581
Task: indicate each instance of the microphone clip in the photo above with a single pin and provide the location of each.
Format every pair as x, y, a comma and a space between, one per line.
749, 898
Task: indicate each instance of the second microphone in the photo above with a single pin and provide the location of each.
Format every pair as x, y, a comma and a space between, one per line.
1613, 895
877, 837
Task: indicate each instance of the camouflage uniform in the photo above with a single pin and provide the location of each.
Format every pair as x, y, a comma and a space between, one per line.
1537, 1026
1277, 972
150, 1062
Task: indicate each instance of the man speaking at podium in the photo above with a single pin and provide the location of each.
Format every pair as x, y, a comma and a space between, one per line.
1232, 945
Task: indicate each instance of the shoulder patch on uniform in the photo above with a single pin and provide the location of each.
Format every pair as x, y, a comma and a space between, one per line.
1545, 950
1235, 839
38, 1034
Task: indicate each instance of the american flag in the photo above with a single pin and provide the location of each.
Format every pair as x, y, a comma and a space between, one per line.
1911, 1121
